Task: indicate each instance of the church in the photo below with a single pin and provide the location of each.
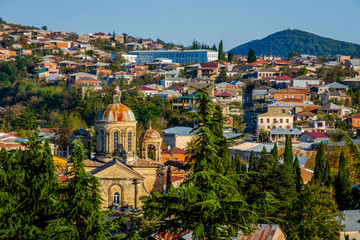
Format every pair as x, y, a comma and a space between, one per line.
124, 176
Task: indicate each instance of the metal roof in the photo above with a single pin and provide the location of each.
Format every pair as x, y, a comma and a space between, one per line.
116, 112
179, 131
336, 85
280, 131
351, 220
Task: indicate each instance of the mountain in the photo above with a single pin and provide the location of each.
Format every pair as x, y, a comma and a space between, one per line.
283, 42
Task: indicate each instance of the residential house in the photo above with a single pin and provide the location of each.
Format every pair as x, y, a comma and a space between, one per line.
122, 76
279, 134
354, 83
41, 73
331, 87
185, 102
168, 82
55, 78
318, 126
51, 66
244, 150
262, 94
82, 78
306, 81
279, 118
338, 96
339, 111
178, 136
305, 115
283, 81
312, 137
227, 97
263, 73
168, 94
172, 154
209, 70
281, 94
354, 120
146, 91
353, 65
352, 225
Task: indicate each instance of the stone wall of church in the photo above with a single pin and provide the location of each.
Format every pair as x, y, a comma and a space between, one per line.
125, 187
154, 178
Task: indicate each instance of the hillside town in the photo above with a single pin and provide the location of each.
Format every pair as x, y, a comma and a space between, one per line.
130, 103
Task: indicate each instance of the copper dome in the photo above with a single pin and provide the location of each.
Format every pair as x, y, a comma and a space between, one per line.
150, 133
116, 112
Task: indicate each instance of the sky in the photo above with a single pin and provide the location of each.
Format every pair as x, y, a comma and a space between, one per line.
209, 21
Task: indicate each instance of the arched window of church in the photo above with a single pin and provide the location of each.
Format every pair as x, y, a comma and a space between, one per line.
102, 141
129, 141
116, 198
116, 99
116, 140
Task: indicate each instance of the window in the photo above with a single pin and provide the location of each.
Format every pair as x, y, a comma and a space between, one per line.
102, 141
261, 120
357, 122
268, 127
281, 120
116, 140
116, 198
283, 110
268, 120
116, 99
129, 141
287, 120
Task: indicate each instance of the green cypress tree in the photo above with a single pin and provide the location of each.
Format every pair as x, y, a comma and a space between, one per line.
168, 178
221, 51
288, 154
252, 56
231, 57
319, 164
275, 152
327, 176
343, 185
252, 163
297, 173
208, 199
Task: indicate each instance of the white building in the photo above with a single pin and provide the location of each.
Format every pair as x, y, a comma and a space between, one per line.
129, 57
177, 56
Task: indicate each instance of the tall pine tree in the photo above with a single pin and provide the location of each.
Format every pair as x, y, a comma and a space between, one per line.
208, 199
82, 215
343, 185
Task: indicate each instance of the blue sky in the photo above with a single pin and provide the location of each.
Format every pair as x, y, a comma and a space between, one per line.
209, 21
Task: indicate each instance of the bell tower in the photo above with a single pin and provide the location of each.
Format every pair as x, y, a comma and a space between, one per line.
117, 95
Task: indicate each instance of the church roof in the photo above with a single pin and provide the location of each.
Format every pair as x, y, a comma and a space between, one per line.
150, 133
123, 167
116, 112
80, 133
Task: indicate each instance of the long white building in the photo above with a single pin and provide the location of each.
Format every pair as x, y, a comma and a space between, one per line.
177, 56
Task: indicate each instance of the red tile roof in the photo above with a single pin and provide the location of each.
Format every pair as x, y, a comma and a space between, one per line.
283, 77
224, 94
147, 89
355, 116
316, 135
173, 151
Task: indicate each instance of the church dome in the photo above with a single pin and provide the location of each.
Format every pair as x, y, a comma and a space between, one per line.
80, 133
116, 112
150, 133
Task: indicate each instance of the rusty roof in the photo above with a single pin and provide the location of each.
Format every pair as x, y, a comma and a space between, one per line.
116, 112
150, 133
